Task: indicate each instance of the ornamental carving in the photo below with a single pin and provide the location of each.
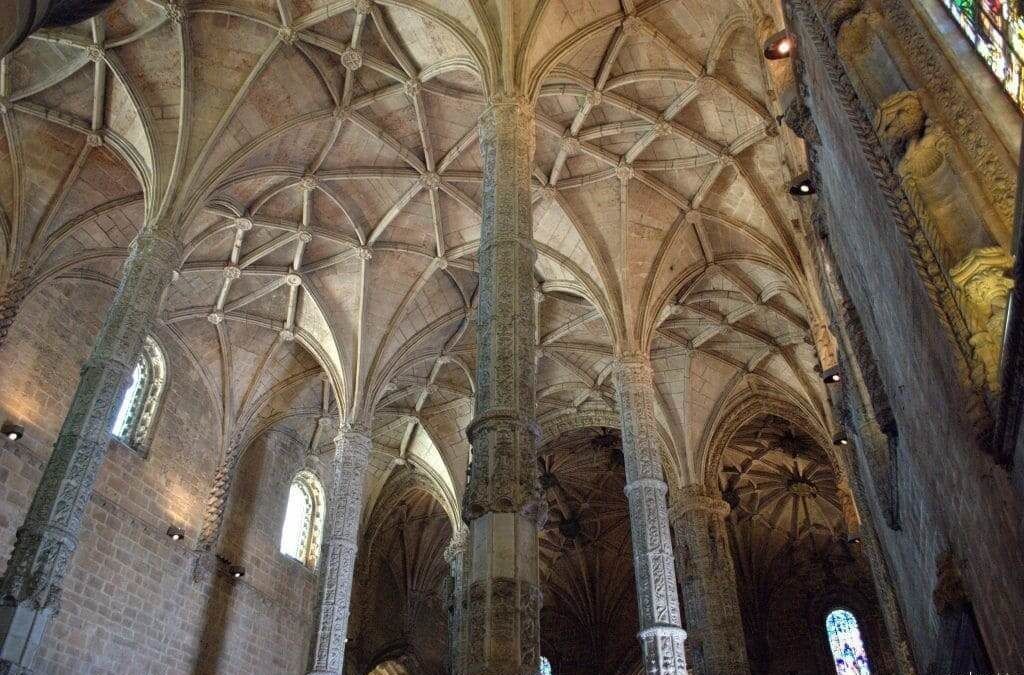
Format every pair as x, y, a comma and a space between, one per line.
983, 278
900, 119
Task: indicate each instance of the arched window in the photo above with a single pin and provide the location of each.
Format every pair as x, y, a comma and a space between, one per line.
545, 667
303, 519
136, 416
847, 647
996, 28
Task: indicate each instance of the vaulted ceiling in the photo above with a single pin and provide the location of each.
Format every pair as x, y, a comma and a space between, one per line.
589, 618
320, 162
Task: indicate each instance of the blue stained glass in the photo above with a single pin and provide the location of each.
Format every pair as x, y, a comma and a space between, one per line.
545, 667
846, 644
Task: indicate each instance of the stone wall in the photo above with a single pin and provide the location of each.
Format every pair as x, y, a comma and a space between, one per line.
130, 603
954, 496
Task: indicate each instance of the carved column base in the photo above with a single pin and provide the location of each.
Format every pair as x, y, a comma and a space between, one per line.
22, 626
504, 597
664, 650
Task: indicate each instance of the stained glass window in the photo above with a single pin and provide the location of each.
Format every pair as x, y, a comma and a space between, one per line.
996, 28
846, 644
545, 667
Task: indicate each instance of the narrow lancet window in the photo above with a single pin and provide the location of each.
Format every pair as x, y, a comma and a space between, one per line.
303, 519
847, 647
137, 412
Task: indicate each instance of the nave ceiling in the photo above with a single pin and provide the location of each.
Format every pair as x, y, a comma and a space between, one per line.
320, 163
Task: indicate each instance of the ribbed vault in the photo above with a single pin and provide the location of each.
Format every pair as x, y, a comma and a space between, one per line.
589, 617
320, 164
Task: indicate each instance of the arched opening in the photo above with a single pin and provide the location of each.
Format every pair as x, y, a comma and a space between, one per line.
400, 614
795, 555
589, 617
303, 519
845, 642
140, 404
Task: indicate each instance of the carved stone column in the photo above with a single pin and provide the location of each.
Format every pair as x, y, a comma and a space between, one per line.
14, 292
351, 457
661, 633
216, 503
714, 626
30, 590
458, 564
503, 503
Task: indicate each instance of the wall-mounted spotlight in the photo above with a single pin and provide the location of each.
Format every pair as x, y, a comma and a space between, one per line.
831, 376
236, 571
175, 533
779, 46
840, 439
12, 432
802, 186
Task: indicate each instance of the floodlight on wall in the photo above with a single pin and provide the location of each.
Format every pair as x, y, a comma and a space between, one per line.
840, 439
779, 46
175, 533
831, 376
802, 186
11, 431
236, 571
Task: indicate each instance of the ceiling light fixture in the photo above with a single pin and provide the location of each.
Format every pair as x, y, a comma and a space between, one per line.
175, 533
779, 46
831, 376
802, 186
236, 571
840, 439
12, 431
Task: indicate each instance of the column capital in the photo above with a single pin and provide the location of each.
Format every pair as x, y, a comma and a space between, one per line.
456, 545
699, 498
505, 114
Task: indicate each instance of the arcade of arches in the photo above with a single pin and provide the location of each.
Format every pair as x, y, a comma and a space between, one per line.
505, 337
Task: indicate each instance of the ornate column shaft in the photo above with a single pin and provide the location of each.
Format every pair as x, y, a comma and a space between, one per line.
13, 295
216, 503
661, 633
713, 622
30, 590
351, 457
503, 503
458, 563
